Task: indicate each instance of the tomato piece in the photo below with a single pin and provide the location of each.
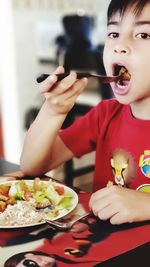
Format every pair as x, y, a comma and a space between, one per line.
60, 189
27, 195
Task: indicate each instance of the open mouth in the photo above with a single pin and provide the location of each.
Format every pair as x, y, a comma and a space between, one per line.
123, 73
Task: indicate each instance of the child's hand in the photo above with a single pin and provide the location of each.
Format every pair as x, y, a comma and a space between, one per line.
61, 96
120, 205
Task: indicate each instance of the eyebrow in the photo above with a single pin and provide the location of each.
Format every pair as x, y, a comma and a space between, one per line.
142, 22
137, 23
112, 23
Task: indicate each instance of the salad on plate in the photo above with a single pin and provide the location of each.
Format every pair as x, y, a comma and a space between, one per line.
29, 202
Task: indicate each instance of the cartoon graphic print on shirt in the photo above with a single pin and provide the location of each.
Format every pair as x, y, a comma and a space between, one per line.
123, 167
144, 188
144, 163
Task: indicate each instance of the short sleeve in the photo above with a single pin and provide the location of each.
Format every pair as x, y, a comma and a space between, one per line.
84, 134
81, 136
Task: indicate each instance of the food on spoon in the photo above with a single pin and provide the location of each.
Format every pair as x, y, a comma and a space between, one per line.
124, 74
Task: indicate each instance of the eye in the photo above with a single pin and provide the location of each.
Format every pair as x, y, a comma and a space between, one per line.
113, 35
143, 35
30, 263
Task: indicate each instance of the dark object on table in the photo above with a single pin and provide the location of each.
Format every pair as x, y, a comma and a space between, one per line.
137, 257
7, 167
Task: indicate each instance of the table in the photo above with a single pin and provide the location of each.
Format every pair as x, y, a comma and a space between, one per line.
138, 257
99, 244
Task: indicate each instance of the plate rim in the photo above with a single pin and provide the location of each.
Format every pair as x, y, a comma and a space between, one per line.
75, 195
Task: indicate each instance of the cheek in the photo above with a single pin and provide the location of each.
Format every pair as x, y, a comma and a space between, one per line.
106, 57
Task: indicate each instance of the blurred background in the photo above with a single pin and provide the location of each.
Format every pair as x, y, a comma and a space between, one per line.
36, 36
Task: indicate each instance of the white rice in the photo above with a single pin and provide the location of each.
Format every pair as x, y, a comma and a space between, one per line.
21, 213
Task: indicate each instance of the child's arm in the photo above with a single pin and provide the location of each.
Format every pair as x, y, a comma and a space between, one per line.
43, 149
120, 205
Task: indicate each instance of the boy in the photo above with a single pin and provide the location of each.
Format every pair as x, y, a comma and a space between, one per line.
118, 129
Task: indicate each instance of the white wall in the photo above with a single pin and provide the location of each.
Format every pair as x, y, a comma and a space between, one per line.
28, 18
9, 96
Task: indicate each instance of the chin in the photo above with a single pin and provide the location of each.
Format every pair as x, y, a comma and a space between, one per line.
123, 100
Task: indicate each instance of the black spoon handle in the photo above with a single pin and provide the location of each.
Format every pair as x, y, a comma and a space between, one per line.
102, 78
61, 76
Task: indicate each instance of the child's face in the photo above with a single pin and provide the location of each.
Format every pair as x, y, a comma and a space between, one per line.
128, 44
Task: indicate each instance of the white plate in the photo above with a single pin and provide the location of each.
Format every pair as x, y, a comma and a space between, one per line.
63, 212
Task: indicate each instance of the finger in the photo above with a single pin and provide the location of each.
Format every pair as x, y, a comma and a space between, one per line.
66, 83
47, 84
101, 201
106, 213
104, 192
72, 93
118, 218
124, 215
99, 205
95, 196
76, 89
62, 86
60, 69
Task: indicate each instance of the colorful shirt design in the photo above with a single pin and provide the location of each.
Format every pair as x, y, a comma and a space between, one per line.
123, 167
144, 163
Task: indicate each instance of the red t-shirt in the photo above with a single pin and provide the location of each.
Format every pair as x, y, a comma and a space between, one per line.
121, 143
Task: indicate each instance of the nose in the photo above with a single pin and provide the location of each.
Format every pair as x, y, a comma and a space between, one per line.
121, 48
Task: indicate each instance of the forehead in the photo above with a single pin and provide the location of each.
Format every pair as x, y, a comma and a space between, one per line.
131, 14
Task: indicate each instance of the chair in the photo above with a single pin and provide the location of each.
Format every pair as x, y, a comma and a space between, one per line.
76, 51
69, 170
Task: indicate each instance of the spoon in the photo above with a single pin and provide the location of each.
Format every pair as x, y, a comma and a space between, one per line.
102, 78
67, 225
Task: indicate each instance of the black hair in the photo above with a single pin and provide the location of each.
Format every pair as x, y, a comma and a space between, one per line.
122, 5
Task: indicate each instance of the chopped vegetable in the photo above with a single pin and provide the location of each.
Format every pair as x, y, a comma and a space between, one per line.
41, 194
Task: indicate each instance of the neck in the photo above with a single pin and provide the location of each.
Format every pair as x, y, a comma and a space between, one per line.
141, 109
